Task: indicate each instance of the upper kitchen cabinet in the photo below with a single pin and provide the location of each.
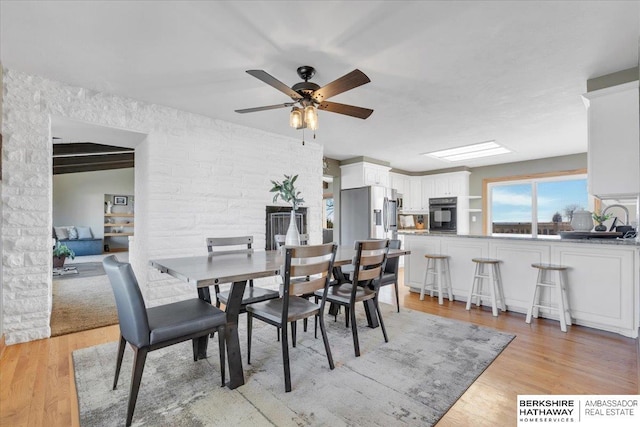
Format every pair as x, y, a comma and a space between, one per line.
453, 184
413, 199
362, 174
400, 183
614, 154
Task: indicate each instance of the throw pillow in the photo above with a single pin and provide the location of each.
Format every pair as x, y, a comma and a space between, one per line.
62, 233
73, 233
84, 233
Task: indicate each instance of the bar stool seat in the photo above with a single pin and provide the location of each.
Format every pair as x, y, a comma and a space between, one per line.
438, 271
560, 287
492, 275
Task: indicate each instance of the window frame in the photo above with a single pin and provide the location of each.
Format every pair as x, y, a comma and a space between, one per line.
488, 183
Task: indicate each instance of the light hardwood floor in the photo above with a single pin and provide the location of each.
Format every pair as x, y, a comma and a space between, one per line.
37, 386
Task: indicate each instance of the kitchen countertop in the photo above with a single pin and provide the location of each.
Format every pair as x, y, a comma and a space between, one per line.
597, 241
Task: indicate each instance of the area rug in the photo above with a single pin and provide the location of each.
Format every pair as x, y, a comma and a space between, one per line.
81, 303
84, 269
413, 379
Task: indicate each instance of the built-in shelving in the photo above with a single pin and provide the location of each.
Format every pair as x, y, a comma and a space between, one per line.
119, 223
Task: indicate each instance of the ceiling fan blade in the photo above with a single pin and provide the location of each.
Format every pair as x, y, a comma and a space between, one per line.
267, 107
349, 110
348, 81
272, 81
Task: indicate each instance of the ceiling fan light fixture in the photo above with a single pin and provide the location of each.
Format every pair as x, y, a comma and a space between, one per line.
311, 117
295, 118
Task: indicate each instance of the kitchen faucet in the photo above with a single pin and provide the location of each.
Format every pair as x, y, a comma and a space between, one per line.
624, 208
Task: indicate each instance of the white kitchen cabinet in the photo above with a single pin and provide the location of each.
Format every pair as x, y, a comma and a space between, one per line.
414, 203
362, 174
614, 154
399, 182
453, 184
603, 278
428, 187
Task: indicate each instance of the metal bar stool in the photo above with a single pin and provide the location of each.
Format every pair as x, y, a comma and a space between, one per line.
560, 287
492, 275
438, 271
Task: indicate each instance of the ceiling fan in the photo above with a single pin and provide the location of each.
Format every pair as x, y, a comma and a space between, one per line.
309, 97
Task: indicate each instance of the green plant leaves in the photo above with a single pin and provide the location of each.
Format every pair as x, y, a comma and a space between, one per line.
286, 191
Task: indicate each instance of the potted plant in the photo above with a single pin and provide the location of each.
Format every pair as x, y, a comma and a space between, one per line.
60, 253
599, 218
286, 191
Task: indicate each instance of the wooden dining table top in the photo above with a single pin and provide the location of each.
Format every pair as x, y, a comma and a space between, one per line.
211, 269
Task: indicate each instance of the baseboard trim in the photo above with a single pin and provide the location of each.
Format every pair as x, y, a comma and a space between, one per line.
3, 345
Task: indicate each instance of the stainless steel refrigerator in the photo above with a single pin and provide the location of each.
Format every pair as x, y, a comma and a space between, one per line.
368, 213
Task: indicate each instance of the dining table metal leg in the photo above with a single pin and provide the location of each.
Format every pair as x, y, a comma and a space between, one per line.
200, 344
236, 373
370, 312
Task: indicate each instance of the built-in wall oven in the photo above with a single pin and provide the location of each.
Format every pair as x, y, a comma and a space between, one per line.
443, 213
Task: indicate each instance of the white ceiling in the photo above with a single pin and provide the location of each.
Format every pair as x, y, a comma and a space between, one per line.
443, 74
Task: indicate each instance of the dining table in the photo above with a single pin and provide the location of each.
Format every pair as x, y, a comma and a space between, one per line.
203, 271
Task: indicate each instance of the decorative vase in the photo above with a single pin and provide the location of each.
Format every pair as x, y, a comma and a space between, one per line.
293, 235
582, 220
600, 227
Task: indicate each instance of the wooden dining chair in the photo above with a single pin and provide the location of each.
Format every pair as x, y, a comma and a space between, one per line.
390, 272
314, 262
218, 246
280, 243
368, 265
149, 329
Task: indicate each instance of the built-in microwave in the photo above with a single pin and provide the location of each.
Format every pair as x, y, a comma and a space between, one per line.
443, 213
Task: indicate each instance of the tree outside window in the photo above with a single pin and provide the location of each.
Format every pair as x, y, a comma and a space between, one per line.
536, 207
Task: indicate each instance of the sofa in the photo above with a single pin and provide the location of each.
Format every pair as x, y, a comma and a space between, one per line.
79, 239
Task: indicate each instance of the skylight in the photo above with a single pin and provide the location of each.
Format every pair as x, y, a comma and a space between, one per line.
474, 151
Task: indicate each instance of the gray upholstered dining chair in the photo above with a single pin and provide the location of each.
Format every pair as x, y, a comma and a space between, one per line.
218, 246
390, 272
368, 265
307, 269
148, 329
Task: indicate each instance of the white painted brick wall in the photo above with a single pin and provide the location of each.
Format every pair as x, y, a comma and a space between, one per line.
195, 177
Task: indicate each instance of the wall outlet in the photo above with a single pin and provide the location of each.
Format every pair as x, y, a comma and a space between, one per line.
473, 218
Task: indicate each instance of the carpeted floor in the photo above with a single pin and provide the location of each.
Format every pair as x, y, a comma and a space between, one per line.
413, 380
81, 303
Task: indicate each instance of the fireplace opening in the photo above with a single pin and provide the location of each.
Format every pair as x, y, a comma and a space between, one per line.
277, 218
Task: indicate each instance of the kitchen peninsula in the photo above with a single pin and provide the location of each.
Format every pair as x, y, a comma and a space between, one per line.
603, 284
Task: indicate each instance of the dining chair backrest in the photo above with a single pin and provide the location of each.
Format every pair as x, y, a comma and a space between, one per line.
371, 256
281, 238
312, 264
132, 312
218, 242
393, 263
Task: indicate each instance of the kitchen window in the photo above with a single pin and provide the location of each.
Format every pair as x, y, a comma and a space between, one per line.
535, 206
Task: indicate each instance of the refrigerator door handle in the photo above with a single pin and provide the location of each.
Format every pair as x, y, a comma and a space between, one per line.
386, 215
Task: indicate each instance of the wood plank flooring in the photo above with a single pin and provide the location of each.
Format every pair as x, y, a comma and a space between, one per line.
37, 387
